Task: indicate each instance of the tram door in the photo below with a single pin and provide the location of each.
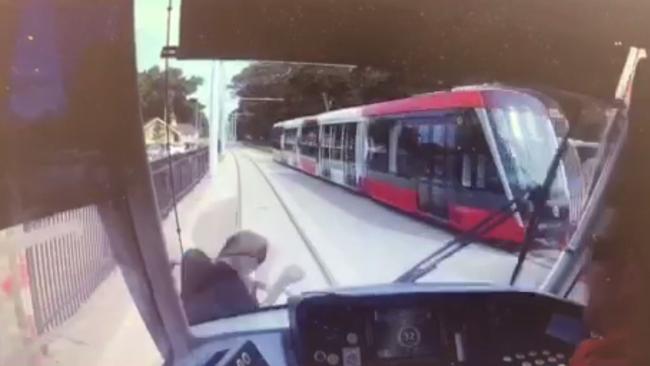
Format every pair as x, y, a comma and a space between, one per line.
323, 150
349, 153
329, 153
433, 182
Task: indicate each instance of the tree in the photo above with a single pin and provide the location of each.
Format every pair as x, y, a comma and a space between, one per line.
308, 89
151, 85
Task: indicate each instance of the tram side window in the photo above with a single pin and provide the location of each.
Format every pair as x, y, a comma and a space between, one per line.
424, 148
477, 167
378, 140
290, 139
325, 142
350, 141
438, 146
410, 162
330, 141
492, 180
313, 141
276, 135
308, 141
465, 151
420, 150
337, 131
452, 151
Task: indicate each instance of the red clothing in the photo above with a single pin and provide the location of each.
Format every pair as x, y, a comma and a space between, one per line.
609, 351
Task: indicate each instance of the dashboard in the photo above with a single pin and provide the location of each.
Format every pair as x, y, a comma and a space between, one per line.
442, 328
399, 325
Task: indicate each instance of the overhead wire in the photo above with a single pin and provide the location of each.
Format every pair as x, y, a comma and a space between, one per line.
167, 113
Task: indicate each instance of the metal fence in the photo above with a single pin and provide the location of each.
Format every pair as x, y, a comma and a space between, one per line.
187, 170
67, 264
67, 255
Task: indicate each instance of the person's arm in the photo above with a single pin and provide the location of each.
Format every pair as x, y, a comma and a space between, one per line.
608, 351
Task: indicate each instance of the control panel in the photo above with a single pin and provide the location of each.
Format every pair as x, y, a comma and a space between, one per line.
442, 328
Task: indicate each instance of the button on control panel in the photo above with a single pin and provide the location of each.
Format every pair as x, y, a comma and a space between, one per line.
535, 358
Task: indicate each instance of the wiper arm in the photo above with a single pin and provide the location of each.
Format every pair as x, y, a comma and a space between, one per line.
539, 197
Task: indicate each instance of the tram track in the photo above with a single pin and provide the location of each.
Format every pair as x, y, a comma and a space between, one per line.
308, 243
439, 254
238, 212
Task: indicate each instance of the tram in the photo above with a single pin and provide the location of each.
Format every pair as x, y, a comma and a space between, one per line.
452, 157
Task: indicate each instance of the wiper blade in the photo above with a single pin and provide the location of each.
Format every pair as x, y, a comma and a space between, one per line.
539, 197
431, 261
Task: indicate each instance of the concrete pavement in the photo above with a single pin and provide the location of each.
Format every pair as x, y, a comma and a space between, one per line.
263, 212
106, 331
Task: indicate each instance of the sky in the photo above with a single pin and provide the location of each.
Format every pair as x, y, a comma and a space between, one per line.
150, 31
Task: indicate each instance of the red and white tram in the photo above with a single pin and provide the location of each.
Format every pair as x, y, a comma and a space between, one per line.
453, 157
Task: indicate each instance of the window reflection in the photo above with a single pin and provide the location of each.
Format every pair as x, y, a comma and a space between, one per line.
37, 86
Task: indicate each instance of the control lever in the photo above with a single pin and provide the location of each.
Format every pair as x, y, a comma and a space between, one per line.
290, 275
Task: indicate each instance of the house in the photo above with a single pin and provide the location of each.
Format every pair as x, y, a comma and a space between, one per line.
183, 137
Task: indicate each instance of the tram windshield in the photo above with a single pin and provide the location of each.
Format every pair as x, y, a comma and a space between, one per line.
526, 141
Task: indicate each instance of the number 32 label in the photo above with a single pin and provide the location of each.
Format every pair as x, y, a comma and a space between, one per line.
409, 337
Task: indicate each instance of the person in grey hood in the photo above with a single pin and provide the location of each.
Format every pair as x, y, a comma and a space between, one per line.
222, 287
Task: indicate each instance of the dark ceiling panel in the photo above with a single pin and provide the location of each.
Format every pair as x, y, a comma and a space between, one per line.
578, 45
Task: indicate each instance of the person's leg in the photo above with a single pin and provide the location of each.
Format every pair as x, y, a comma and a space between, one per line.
197, 277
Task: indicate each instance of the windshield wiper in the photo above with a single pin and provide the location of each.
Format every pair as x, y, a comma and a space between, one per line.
538, 195
431, 261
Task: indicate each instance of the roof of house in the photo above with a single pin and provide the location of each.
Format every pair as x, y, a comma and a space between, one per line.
184, 129
152, 121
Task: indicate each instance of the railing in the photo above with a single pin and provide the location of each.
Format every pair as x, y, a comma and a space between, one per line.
59, 261
66, 264
188, 169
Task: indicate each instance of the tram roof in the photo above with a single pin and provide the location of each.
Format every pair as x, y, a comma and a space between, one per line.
470, 96
341, 115
461, 97
424, 102
291, 123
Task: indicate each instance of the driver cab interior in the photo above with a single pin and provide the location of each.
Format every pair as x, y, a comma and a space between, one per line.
71, 136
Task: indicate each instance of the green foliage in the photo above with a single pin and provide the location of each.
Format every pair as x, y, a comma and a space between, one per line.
151, 87
307, 89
